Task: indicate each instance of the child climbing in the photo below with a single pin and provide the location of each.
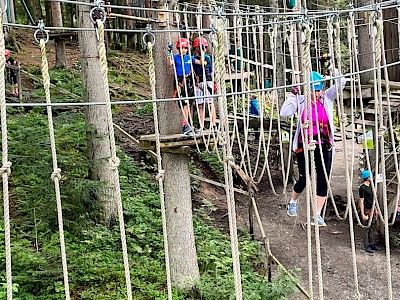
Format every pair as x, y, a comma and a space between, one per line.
11, 73
183, 67
203, 70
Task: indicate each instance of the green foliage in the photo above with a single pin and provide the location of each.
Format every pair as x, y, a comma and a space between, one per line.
94, 252
214, 163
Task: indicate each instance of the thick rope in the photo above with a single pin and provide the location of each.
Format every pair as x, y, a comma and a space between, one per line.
228, 160
56, 175
349, 192
6, 165
307, 98
160, 175
114, 160
381, 138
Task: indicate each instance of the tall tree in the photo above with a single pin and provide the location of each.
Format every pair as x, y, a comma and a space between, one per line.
365, 41
57, 21
96, 117
178, 201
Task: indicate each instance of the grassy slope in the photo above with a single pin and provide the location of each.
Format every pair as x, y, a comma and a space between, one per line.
93, 251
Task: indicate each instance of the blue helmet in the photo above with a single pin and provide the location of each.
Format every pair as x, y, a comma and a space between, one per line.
319, 85
365, 174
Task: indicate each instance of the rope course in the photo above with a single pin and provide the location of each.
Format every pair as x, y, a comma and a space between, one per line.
56, 174
247, 43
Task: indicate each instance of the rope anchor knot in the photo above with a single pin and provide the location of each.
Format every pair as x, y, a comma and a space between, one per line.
56, 174
6, 168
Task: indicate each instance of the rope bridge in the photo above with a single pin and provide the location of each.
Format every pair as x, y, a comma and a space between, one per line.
261, 40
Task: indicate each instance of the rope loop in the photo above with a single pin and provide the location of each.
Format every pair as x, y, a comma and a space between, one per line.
114, 163
42, 31
56, 174
6, 168
382, 131
151, 35
160, 175
98, 12
5, 7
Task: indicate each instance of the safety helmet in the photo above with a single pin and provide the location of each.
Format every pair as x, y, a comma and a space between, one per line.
196, 42
316, 86
182, 43
365, 174
6, 52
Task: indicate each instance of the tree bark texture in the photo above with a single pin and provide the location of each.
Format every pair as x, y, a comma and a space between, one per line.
365, 42
178, 202
57, 21
96, 118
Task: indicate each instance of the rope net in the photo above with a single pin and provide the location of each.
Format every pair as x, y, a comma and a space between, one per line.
244, 67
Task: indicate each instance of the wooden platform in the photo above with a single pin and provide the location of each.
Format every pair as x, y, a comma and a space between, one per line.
174, 143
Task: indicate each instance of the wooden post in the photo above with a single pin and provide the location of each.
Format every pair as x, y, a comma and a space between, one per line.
19, 81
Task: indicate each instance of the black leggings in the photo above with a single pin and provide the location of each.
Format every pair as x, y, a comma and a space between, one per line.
322, 186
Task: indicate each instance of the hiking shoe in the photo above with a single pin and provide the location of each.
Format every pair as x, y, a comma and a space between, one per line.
292, 209
186, 130
374, 247
320, 222
368, 249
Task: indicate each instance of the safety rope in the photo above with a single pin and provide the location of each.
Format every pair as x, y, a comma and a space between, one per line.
160, 175
381, 140
6, 165
349, 192
114, 160
56, 175
307, 110
228, 159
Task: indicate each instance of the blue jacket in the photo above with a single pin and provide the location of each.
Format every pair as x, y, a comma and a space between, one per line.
183, 63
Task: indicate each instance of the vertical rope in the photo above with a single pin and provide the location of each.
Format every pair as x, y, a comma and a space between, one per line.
6, 165
114, 160
307, 98
160, 175
227, 154
56, 175
381, 138
311, 150
349, 194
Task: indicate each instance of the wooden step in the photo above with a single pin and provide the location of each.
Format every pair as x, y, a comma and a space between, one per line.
368, 123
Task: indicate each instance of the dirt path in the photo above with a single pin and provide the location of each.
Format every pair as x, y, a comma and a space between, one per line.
289, 244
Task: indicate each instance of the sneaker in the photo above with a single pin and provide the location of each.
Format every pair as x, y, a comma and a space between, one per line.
320, 222
292, 209
368, 249
374, 247
186, 130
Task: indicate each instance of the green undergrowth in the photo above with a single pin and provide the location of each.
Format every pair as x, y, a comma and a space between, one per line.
94, 252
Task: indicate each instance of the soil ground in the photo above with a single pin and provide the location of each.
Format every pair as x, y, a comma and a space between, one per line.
288, 240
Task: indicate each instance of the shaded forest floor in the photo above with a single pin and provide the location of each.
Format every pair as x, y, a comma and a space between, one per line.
288, 239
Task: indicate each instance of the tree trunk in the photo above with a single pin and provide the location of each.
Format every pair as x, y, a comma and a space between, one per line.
129, 25
96, 118
57, 21
178, 202
12, 10
365, 42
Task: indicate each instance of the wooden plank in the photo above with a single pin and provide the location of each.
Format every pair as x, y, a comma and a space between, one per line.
368, 123
238, 76
392, 84
384, 103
